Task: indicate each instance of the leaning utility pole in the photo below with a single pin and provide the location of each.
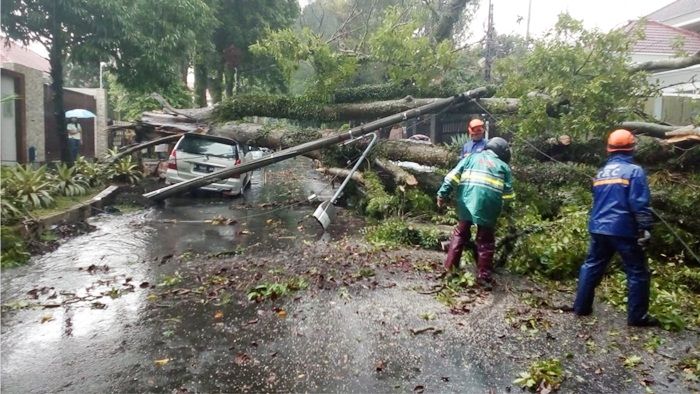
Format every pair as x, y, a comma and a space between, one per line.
313, 145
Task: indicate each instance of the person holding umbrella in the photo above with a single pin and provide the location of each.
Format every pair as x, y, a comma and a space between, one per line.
74, 138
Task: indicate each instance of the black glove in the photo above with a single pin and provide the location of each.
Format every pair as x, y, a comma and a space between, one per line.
643, 238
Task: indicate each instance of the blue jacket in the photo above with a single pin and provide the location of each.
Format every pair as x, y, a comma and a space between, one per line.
474, 146
620, 199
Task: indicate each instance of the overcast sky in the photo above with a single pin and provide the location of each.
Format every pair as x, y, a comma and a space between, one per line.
601, 14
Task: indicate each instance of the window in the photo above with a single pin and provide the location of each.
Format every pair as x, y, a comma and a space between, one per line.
207, 147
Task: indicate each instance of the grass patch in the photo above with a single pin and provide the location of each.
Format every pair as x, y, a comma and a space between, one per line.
63, 203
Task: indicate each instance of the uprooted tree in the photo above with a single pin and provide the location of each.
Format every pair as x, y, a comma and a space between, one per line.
588, 89
571, 82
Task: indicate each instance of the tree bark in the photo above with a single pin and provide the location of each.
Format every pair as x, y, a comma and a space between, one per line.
400, 176
453, 11
658, 130
259, 135
291, 108
668, 64
200, 81
342, 173
56, 62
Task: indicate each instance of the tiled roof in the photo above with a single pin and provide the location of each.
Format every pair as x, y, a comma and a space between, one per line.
659, 38
11, 52
675, 9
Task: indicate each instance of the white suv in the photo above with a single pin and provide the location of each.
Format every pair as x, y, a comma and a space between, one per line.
201, 154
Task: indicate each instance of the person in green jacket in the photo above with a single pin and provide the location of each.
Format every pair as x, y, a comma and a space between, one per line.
483, 181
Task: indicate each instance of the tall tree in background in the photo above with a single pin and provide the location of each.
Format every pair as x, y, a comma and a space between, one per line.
61, 25
144, 38
223, 61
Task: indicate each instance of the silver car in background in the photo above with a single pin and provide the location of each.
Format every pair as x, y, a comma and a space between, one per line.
200, 154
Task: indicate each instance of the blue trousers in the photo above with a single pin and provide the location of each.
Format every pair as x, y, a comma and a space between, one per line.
600, 252
73, 148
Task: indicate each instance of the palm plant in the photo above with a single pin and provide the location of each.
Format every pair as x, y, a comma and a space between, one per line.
457, 142
10, 209
31, 188
124, 170
92, 172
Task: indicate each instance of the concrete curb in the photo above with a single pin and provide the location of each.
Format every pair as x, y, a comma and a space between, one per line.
74, 214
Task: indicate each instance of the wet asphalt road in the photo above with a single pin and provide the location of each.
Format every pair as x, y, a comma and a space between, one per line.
156, 301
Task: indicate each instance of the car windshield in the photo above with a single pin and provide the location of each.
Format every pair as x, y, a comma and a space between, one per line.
207, 147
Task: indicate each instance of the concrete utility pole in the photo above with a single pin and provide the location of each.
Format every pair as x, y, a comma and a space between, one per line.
488, 58
529, 9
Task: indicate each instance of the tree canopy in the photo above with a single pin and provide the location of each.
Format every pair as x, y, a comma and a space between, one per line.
586, 71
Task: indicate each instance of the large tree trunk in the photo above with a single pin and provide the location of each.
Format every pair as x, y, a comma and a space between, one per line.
295, 108
56, 62
399, 150
200, 81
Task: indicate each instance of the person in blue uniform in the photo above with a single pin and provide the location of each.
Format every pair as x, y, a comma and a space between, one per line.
620, 222
477, 142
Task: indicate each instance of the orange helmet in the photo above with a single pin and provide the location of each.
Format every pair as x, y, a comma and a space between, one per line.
473, 124
621, 140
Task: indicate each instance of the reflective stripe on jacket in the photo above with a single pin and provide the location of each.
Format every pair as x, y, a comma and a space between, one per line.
474, 146
483, 181
620, 199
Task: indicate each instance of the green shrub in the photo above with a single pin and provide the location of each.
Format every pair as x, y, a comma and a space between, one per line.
31, 188
68, 182
124, 170
10, 208
92, 171
14, 251
396, 232
672, 302
553, 248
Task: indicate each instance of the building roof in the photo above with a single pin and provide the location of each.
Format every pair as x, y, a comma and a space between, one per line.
659, 38
673, 10
11, 52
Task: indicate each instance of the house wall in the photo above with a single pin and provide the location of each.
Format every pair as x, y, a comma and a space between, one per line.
33, 108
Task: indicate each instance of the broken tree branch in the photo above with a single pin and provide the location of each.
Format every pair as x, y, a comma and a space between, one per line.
668, 64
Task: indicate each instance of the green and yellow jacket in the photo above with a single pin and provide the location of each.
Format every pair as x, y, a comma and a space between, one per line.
483, 181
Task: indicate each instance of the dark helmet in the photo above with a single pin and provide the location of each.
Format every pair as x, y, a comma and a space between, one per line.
500, 147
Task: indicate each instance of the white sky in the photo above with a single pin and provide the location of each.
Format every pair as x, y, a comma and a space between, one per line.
601, 14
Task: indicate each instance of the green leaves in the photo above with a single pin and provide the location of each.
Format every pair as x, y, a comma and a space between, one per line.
542, 375
289, 48
68, 182
124, 170
408, 55
586, 68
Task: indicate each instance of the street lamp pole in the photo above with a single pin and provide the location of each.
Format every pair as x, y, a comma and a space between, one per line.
102, 64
